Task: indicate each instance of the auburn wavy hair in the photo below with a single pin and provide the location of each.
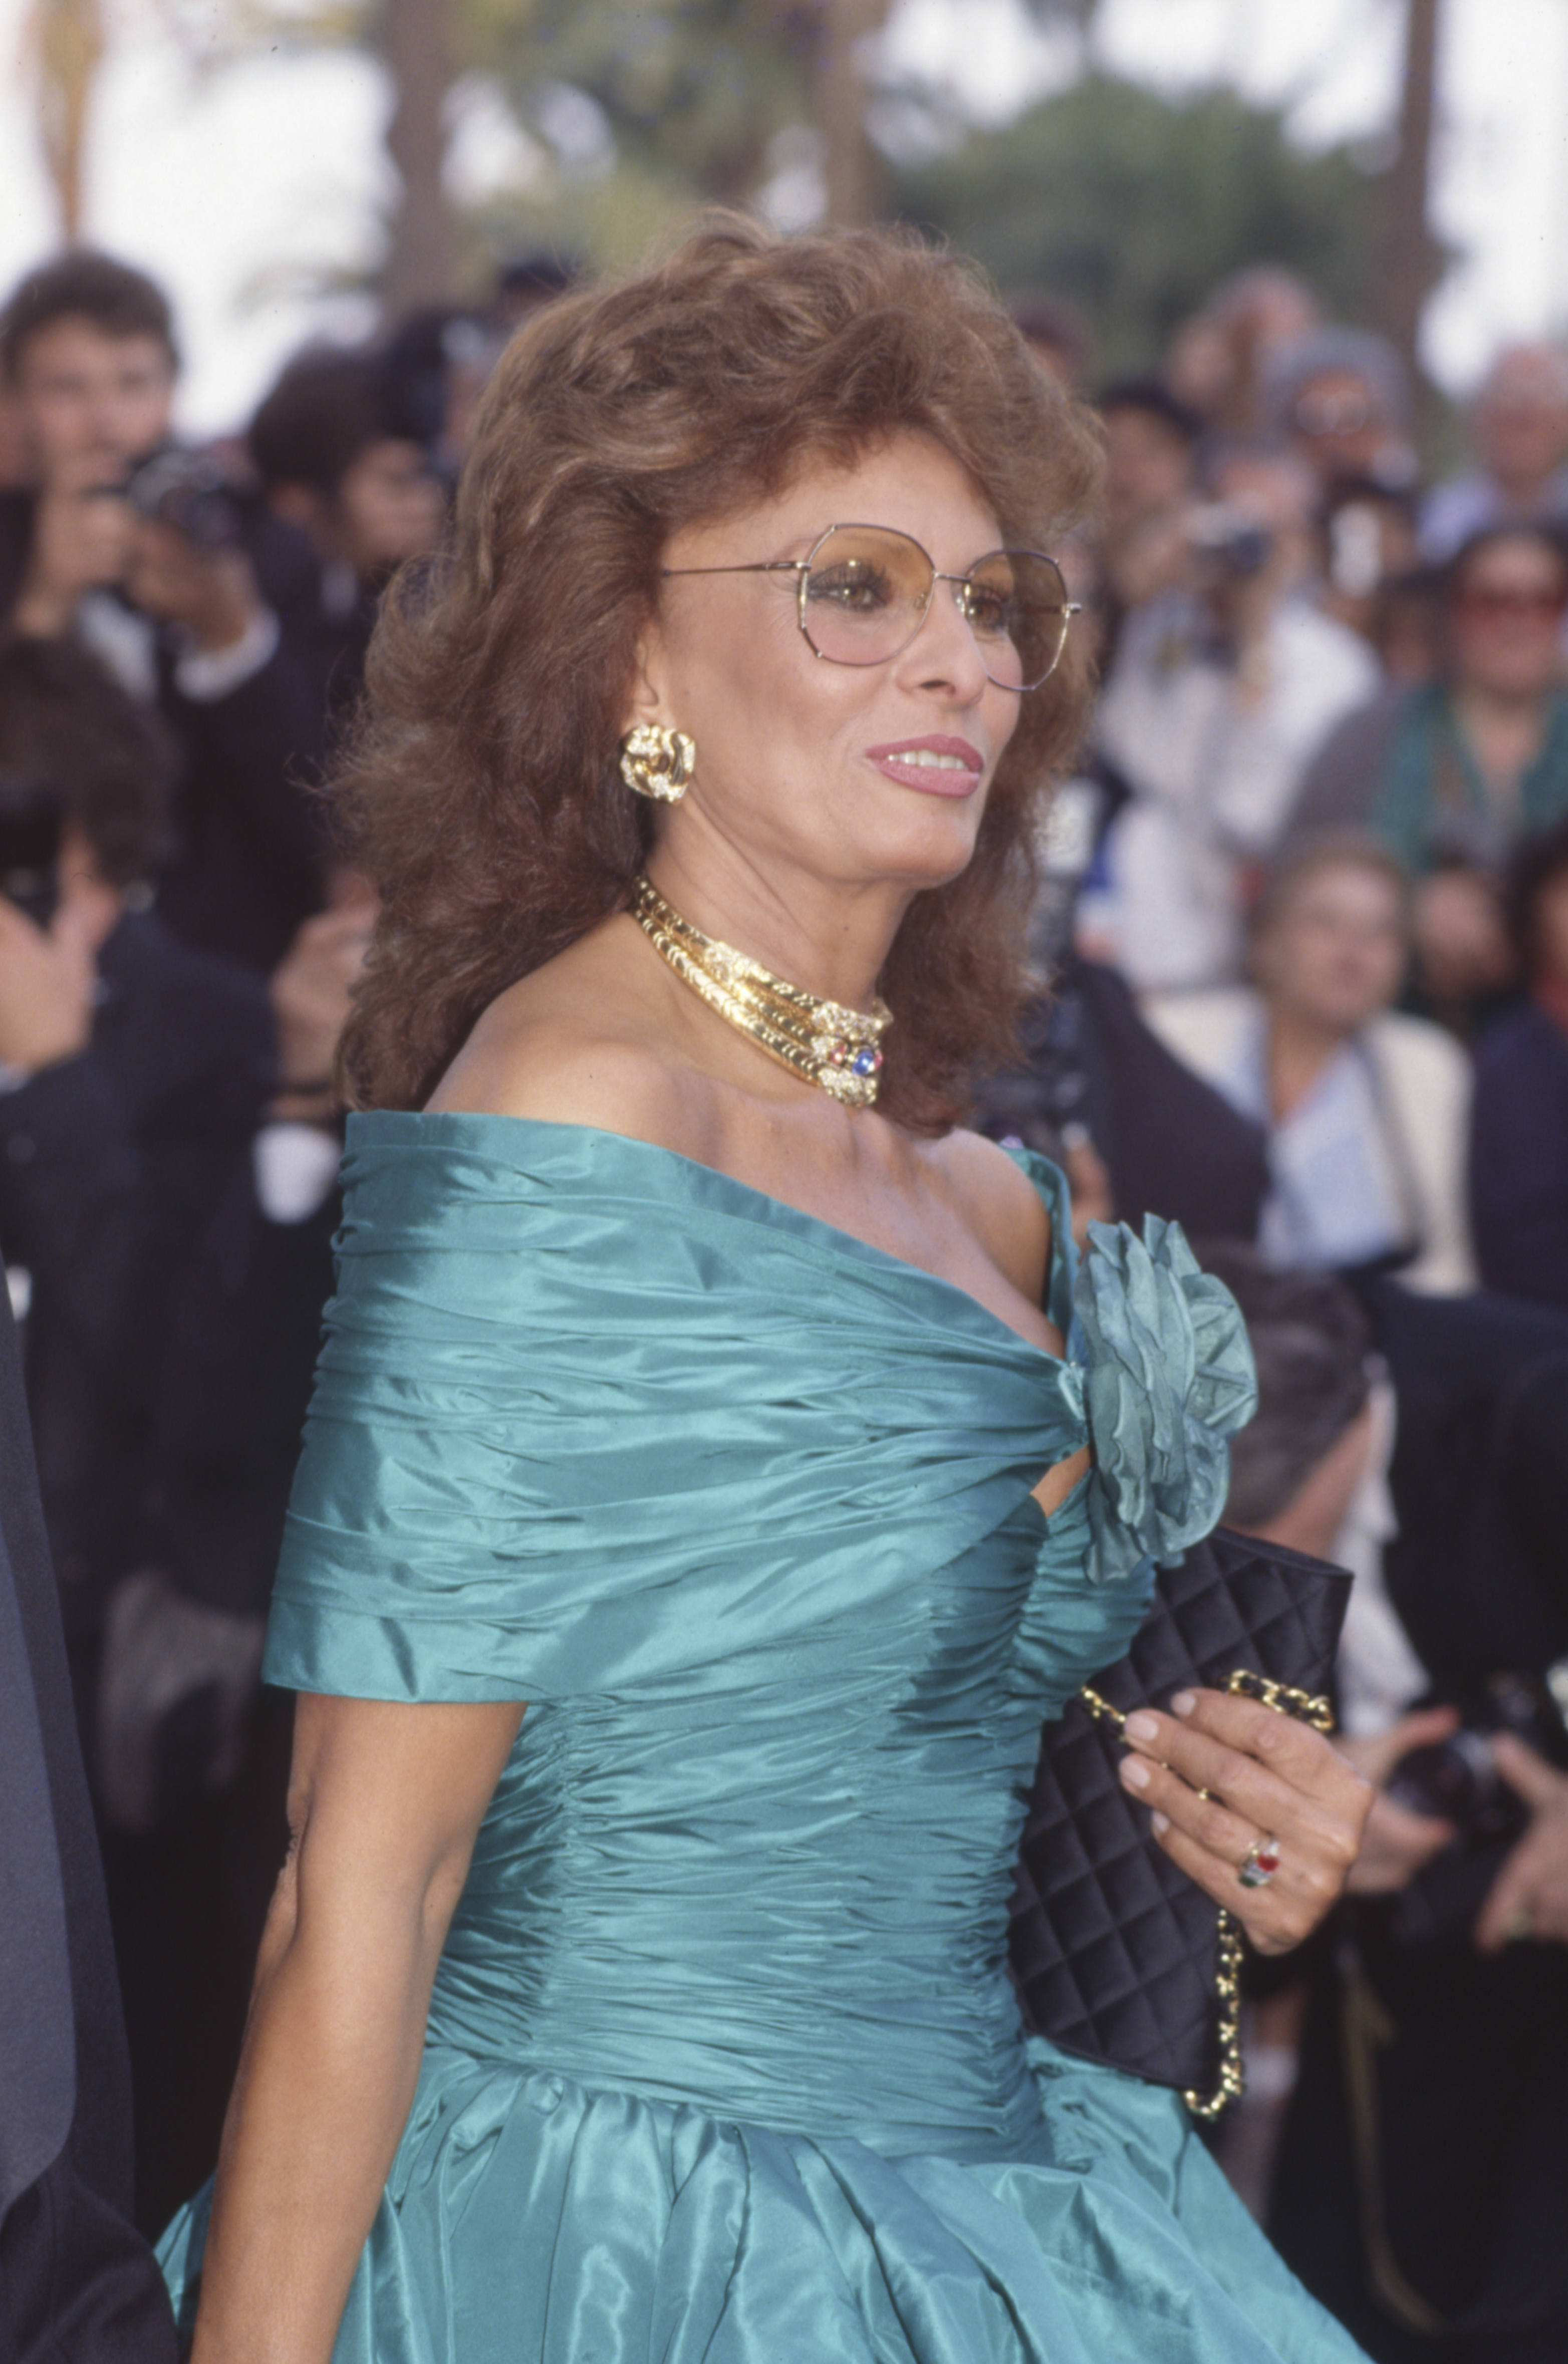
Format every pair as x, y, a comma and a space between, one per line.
482, 795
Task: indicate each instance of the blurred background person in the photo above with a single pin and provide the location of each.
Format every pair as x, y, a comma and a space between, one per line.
1518, 436
1219, 361
1222, 688
168, 1156
1366, 1111
524, 284
1143, 547
135, 1073
1056, 334
190, 1755
1519, 1145
334, 460
142, 552
1422, 2175
1342, 398
1454, 774
1374, 579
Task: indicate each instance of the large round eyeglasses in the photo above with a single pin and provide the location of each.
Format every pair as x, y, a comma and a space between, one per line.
863, 592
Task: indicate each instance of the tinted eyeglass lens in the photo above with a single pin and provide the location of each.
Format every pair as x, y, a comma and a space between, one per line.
1017, 604
866, 591
866, 594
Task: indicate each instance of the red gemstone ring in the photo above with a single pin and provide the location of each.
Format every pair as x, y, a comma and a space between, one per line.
1260, 1863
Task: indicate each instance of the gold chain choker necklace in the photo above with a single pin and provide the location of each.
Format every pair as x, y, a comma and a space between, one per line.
821, 1042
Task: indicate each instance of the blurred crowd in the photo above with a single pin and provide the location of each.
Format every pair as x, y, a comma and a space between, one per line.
1302, 952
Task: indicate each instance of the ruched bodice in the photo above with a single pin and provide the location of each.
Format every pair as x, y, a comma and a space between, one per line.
740, 1507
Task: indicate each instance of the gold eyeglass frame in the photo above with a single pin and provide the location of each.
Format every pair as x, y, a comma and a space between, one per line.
801, 569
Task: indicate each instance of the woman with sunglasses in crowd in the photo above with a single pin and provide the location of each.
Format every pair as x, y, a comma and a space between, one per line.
699, 1511
1455, 774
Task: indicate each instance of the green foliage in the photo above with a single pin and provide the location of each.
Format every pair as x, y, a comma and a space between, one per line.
1133, 206
691, 93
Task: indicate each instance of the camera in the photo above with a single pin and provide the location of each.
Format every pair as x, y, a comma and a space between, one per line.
1230, 539
187, 491
1457, 1781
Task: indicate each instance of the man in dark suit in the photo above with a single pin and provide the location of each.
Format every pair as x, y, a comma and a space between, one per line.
133, 1073
77, 2285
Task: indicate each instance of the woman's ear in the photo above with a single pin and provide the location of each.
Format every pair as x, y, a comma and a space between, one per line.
645, 701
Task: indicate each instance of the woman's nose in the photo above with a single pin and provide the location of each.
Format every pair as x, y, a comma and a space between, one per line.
944, 651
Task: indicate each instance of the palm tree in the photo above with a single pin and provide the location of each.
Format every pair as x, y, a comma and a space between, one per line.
65, 40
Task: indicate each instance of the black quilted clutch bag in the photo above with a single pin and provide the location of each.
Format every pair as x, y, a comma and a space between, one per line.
1116, 1954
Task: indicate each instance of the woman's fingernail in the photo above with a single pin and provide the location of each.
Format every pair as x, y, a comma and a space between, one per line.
1184, 1703
1142, 1727
1135, 1773
1159, 1821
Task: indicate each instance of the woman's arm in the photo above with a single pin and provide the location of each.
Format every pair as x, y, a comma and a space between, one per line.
385, 1803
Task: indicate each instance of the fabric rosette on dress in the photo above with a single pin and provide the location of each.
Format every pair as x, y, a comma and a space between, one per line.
1169, 1379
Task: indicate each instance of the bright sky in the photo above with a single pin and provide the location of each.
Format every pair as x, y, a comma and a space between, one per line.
244, 188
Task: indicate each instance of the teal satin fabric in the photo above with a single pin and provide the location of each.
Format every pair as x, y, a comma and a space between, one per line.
723, 2060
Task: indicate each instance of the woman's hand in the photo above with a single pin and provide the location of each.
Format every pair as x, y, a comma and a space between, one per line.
1225, 1776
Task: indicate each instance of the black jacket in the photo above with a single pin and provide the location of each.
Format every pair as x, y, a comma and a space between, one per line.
1518, 1157
1479, 1569
112, 1168
77, 2285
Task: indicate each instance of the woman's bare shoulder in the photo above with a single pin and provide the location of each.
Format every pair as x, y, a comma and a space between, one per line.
1001, 1205
570, 1045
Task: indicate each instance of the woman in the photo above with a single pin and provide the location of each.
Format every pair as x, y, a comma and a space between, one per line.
1518, 1141
1452, 776
1366, 1110
667, 1588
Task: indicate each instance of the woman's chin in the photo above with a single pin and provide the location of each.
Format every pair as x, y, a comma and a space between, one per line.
933, 847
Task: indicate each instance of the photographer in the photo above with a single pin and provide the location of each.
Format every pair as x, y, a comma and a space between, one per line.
1422, 2179
142, 553
1220, 690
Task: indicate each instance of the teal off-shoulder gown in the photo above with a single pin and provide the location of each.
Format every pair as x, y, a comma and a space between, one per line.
723, 2061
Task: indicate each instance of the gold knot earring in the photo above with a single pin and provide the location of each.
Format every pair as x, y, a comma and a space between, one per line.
658, 763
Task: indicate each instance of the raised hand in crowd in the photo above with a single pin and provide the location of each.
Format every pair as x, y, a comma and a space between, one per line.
1397, 1843
1530, 1895
48, 975
82, 538
212, 593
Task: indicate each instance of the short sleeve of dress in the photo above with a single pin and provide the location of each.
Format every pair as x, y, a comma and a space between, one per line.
441, 1540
